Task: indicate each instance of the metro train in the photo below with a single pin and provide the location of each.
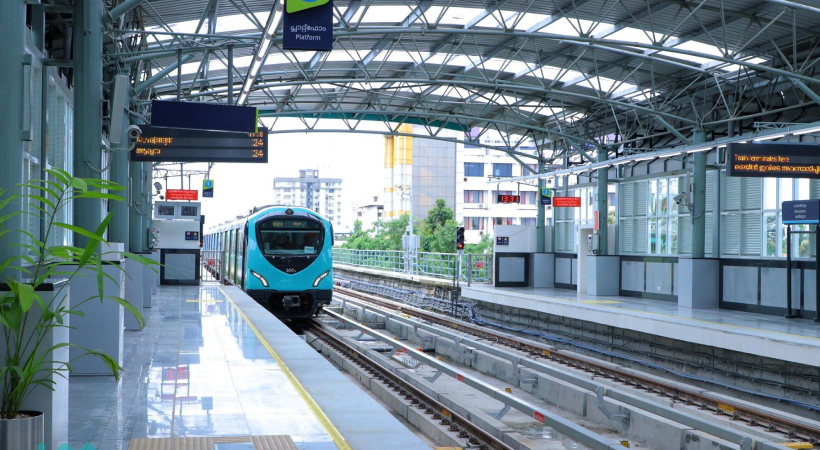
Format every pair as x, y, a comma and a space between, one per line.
281, 256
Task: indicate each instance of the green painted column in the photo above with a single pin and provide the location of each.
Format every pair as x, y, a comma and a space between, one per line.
542, 212
601, 196
137, 190
88, 47
147, 219
699, 197
12, 29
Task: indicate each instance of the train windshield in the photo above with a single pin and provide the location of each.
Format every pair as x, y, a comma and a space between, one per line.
290, 236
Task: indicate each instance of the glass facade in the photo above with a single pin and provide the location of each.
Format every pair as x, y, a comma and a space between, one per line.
473, 169
434, 174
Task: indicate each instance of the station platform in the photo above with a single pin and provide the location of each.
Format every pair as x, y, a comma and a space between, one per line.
793, 340
213, 370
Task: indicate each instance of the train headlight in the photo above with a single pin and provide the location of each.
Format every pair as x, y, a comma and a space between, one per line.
320, 278
260, 278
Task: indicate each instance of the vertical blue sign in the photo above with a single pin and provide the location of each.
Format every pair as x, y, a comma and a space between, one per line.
308, 25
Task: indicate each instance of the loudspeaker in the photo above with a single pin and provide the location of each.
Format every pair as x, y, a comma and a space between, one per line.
121, 83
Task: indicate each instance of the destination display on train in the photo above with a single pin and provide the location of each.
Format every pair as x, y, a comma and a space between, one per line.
773, 160
187, 145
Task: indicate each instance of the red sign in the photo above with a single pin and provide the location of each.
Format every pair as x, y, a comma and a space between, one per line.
596, 221
538, 416
181, 194
566, 202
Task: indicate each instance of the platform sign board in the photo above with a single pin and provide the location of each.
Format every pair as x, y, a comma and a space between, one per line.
546, 196
566, 202
185, 145
785, 160
801, 211
181, 194
207, 188
204, 116
308, 25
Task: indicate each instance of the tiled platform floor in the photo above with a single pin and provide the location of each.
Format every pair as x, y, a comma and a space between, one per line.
195, 370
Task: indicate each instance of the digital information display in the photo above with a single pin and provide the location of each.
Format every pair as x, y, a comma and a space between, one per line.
186, 145
509, 198
773, 160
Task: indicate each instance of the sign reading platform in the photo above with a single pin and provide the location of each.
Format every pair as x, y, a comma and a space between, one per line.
308, 25
207, 188
801, 211
204, 116
183, 145
181, 194
773, 160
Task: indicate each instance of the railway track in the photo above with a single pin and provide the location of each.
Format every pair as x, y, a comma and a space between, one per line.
739, 412
475, 435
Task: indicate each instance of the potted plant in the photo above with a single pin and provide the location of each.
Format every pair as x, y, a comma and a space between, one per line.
26, 318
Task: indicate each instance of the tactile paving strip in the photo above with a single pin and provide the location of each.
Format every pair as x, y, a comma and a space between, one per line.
207, 443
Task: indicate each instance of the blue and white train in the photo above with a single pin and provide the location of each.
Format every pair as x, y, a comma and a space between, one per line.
280, 256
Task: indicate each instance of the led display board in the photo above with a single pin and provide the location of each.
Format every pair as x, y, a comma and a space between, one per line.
186, 145
509, 198
773, 160
204, 116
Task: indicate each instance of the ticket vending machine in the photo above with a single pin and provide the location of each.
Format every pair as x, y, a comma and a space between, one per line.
177, 233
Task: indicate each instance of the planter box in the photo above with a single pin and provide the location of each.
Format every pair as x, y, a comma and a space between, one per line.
53, 404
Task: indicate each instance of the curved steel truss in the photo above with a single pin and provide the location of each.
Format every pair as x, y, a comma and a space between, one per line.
572, 76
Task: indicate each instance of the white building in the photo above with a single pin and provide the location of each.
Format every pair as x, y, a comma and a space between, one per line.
477, 204
323, 195
368, 212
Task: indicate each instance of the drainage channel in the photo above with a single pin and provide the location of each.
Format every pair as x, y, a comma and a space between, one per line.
744, 424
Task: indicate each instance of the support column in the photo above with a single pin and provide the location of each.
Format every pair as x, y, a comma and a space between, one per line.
119, 174
698, 277
699, 197
136, 187
13, 24
541, 217
88, 108
601, 196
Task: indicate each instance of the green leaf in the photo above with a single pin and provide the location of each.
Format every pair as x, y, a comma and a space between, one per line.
96, 237
104, 184
41, 188
91, 245
61, 175
25, 293
100, 195
100, 281
42, 199
131, 309
10, 215
79, 183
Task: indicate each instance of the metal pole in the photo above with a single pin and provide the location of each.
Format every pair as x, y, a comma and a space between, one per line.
470, 269
540, 238
119, 173
137, 235
179, 75
601, 204
88, 71
230, 74
699, 198
789, 314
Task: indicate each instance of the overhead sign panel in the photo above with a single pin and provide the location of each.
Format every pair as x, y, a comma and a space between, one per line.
546, 196
566, 202
207, 188
801, 211
183, 145
204, 116
181, 194
308, 25
773, 160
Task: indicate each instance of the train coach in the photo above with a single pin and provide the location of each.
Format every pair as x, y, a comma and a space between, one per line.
280, 256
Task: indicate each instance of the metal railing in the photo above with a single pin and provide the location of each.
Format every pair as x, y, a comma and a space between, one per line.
475, 268
211, 262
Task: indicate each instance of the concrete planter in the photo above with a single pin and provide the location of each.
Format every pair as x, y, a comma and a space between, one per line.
22, 434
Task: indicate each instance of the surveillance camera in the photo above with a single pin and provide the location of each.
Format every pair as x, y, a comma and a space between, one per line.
680, 198
158, 186
162, 197
134, 132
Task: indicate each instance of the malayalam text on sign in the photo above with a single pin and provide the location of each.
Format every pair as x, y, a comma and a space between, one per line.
785, 160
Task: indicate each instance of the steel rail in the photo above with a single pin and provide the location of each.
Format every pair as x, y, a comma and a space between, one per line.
418, 397
737, 411
560, 424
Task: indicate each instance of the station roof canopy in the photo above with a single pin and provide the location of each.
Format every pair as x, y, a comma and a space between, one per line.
573, 76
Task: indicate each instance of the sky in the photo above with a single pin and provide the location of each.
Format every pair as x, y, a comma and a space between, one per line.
358, 159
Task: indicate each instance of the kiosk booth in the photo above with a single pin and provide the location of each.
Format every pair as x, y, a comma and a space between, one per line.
177, 234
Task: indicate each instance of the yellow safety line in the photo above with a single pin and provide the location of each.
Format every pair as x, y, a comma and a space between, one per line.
538, 297
317, 411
